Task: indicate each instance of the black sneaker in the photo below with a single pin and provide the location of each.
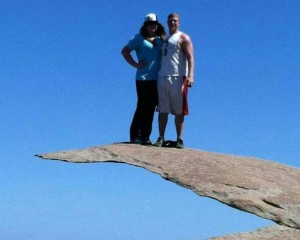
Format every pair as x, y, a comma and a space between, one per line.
147, 142
179, 143
136, 140
159, 142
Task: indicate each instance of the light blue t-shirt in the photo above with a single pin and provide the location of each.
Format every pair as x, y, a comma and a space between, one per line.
149, 52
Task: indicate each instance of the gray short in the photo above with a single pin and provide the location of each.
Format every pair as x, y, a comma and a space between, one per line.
172, 95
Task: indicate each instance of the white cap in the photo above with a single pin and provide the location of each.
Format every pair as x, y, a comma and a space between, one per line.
151, 17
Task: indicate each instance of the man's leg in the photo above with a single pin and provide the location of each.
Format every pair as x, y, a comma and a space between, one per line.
162, 123
179, 123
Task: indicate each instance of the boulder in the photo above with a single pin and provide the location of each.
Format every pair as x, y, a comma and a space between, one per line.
265, 188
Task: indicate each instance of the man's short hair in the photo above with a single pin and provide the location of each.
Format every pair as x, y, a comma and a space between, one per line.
171, 15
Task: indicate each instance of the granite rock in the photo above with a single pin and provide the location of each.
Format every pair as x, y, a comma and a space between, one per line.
265, 188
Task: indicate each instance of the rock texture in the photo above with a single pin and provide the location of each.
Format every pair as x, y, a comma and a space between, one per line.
265, 188
276, 232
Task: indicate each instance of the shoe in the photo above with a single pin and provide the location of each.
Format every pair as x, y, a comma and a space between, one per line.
147, 142
136, 140
159, 142
179, 143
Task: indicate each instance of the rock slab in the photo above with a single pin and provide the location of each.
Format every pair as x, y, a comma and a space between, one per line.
265, 188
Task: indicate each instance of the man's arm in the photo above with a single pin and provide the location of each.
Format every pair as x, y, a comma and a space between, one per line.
187, 48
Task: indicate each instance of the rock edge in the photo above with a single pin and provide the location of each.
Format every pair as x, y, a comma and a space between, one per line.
264, 188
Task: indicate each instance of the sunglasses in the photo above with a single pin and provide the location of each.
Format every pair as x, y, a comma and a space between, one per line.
151, 23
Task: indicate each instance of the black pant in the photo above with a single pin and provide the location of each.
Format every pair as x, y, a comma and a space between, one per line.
141, 125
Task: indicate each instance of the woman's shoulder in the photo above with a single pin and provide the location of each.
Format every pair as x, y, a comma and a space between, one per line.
138, 36
159, 40
136, 39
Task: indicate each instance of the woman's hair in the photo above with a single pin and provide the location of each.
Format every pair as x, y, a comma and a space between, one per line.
160, 32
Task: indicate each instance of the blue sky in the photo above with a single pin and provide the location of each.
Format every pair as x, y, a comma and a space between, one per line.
64, 85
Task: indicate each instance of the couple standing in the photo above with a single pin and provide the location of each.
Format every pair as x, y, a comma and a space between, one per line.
165, 69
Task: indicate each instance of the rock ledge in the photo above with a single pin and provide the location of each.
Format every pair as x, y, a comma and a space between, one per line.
265, 188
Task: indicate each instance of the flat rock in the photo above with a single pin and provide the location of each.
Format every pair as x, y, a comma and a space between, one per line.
275, 232
265, 188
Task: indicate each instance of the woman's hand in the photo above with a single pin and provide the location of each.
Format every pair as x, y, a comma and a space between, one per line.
142, 63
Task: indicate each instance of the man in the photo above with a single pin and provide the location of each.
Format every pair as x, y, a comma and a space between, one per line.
175, 75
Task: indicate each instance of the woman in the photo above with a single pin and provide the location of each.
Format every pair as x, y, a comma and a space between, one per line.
147, 45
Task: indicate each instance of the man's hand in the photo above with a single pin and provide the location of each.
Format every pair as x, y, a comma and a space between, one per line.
190, 81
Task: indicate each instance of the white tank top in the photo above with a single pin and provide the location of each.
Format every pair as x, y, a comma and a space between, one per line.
173, 61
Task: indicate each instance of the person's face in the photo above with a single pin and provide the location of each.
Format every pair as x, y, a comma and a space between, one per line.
151, 28
173, 24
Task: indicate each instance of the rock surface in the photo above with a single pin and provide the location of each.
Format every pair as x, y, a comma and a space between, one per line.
265, 188
275, 232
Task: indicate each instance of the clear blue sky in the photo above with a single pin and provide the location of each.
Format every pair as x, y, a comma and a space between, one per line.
64, 85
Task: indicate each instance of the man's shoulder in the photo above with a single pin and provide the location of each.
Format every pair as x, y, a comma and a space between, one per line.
184, 36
